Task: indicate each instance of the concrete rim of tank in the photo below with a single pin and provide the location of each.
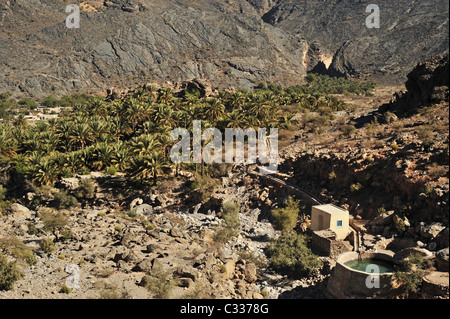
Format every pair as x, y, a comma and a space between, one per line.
382, 255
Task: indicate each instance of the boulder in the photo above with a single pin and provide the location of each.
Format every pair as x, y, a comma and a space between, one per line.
442, 260
250, 273
144, 266
142, 210
431, 231
20, 211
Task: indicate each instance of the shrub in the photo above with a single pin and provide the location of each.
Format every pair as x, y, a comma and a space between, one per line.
231, 223
101, 214
3, 191
65, 290
9, 273
332, 175
348, 130
428, 189
399, 224
223, 235
28, 103
285, 219
409, 273
108, 291
84, 171
50, 101
436, 171
54, 221
381, 211
264, 293
132, 213
394, 146
32, 230
205, 185
66, 234
18, 249
47, 245
231, 215
86, 189
289, 255
111, 171
250, 257
160, 283
64, 201
389, 117
218, 170
356, 188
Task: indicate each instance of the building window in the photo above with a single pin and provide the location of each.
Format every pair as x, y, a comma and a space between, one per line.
339, 223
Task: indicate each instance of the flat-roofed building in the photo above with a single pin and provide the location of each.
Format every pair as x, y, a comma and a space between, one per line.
331, 217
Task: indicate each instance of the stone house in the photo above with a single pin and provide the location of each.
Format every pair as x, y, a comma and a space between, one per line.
331, 217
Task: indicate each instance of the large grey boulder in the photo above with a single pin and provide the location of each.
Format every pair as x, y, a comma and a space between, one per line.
142, 210
19, 211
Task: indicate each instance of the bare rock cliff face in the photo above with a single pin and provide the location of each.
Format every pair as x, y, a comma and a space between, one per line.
143, 41
410, 31
232, 44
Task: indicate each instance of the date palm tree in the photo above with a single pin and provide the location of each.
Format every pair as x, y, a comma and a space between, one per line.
103, 154
165, 95
20, 121
120, 157
214, 110
73, 161
80, 135
143, 145
164, 115
8, 146
235, 119
148, 167
44, 172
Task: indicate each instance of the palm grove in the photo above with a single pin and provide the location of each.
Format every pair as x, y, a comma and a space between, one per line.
132, 135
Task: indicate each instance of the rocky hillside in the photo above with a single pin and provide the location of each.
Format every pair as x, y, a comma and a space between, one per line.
393, 158
233, 44
121, 43
410, 31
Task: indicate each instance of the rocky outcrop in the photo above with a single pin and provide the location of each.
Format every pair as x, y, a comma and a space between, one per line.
130, 42
427, 84
410, 31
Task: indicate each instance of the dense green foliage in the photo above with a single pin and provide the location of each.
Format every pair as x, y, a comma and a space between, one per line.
410, 272
290, 255
9, 273
132, 135
230, 224
332, 85
285, 219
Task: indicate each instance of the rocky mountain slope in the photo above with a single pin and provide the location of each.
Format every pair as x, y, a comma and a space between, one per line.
233, 44
409, 32
122, 43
